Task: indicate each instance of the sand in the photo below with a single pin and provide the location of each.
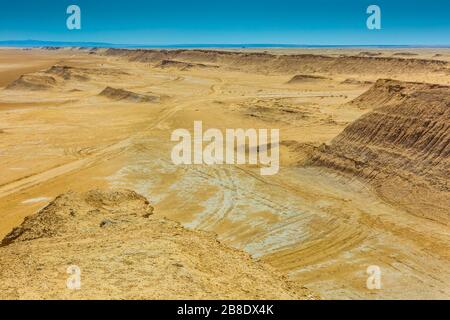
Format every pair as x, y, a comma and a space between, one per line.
318, 226
123, 251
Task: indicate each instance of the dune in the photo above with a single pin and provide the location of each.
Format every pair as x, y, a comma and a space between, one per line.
124, 95
124, 251
402, 144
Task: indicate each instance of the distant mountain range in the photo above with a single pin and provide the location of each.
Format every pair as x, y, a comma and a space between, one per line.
40, 43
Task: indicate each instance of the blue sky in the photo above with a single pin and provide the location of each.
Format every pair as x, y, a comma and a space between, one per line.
319, 22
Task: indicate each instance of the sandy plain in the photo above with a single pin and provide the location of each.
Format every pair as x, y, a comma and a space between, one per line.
320, 228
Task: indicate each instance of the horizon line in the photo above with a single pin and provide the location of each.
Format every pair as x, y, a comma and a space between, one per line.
40, 43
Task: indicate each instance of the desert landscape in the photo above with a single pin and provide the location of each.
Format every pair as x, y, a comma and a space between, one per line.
87, 177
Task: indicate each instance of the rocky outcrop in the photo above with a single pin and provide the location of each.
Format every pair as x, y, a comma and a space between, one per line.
33, 82
286, 63
405, 138
304, 78
125, 95
123, 251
